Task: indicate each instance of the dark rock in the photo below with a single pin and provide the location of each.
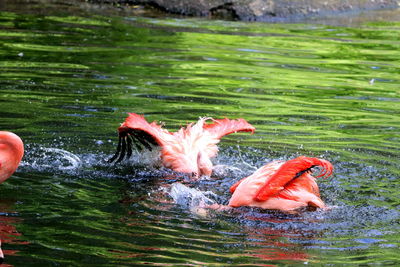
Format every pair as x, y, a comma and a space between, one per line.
260, 10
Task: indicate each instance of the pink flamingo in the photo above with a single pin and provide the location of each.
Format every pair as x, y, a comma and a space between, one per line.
284, 186
11, 153
1, 254
188, 150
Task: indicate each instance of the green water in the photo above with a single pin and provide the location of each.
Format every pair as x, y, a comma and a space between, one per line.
68, 79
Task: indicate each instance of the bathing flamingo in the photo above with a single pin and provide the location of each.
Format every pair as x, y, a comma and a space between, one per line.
188, 150
11, 152
284, 186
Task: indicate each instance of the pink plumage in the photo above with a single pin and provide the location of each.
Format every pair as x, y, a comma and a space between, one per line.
188, 150
281, 185
11, 153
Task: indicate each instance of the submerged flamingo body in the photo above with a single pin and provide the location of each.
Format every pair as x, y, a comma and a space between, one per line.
284, 186
11, 153
188, 150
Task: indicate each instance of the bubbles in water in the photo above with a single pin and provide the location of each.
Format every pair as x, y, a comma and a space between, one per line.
99, 142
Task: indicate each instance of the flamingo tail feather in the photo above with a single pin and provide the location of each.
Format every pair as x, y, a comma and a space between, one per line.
137, 133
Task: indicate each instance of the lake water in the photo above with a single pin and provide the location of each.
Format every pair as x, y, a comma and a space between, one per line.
68, 79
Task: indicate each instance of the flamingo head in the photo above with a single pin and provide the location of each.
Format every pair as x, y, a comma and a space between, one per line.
11, 152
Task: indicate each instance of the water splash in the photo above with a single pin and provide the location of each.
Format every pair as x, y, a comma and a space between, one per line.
190, 197
50, 159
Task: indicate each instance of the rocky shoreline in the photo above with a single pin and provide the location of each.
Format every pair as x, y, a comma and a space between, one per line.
258, 10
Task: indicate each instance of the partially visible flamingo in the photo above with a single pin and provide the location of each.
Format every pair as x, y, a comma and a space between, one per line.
11, 153
188, 150
1, 254
284, 186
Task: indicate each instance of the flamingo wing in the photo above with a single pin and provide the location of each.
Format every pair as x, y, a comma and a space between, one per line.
261, 174
289, 171
302, 189
222, 127
137, 132
232, 189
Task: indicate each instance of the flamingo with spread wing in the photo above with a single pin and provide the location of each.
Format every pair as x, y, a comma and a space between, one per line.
284, 186
188, 150
11, 153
